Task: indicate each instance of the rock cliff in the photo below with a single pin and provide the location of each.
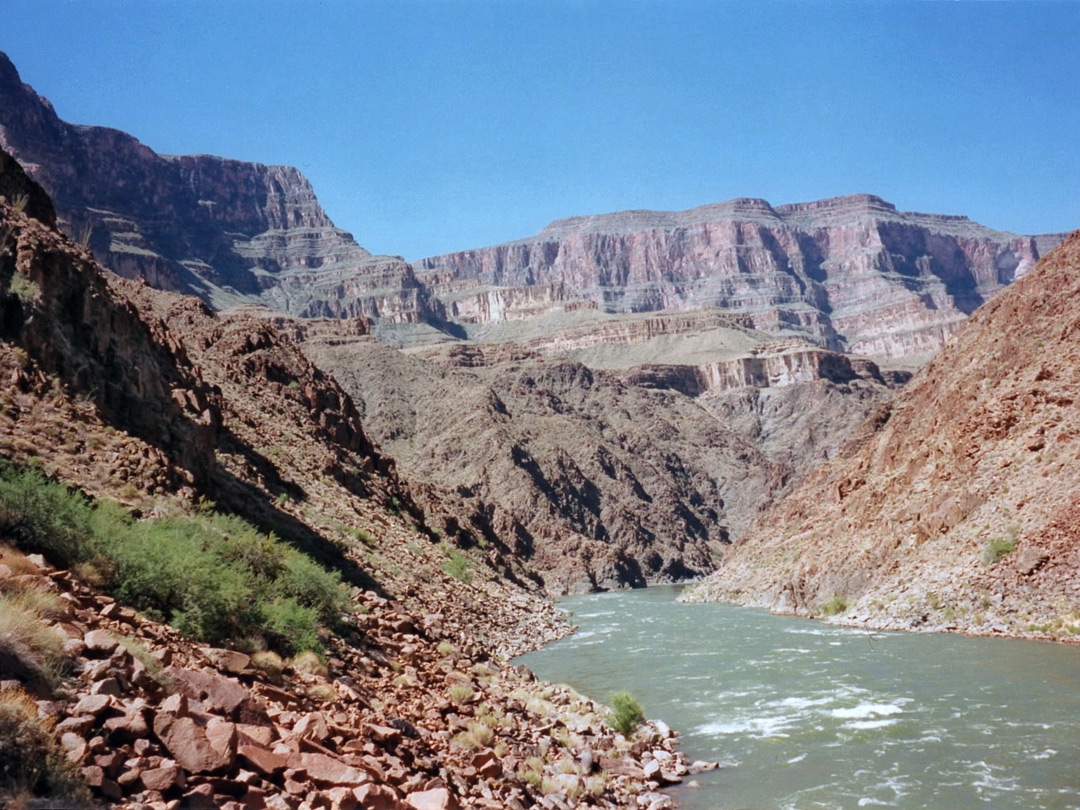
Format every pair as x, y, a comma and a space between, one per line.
851, 273
957, 509
225, 230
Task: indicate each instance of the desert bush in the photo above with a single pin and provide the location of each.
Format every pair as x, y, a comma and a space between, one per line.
626, 713
834, 606
446, 649
996, 548
461, 693
269, 662
311, 663
30, 760
475, 737
215, 577
457, 565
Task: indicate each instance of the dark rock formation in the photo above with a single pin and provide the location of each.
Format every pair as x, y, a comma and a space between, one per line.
601, 479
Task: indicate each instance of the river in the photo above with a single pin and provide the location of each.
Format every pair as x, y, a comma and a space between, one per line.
802, 714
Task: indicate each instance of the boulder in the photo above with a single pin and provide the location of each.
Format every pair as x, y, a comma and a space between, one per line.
99, 644
188, 744
436, 799
328, 771
377, 797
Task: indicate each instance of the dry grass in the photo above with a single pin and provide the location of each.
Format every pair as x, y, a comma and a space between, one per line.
461, 693
310, 663
269, 662
30, 760
29, 639
475, 737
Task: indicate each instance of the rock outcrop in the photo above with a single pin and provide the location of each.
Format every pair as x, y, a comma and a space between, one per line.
852, 273
225, 230
957, 508
602, 478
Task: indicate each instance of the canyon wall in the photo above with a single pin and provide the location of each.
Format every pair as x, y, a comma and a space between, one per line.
958, 507
226, 230
851, 273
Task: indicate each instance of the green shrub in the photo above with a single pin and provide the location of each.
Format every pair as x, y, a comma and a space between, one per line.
996, 548
458, 566
215, 577
834, 606
626, 713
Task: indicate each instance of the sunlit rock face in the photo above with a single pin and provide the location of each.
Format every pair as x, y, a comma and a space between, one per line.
849, 273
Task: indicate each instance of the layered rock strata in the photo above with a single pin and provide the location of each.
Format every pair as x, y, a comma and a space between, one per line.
225, 230
957, 509
850, 273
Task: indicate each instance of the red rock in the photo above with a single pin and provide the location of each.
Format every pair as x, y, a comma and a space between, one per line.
74, 746
162, 778
128, 727
327, 770
312, 727
340, 798
221, 735
175, 704
228, 660
99, 644
187, 743
487, 765
248, 734
436, 799
386, 736
92, 705
108, 686
215, 691
93, 775
80, 725
261, 760
199, 798
377, 797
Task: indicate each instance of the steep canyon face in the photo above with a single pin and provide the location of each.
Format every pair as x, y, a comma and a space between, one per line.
960, 511
601, 478
225, 230
851, 273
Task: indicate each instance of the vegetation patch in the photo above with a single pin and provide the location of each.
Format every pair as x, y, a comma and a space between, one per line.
31, 763
626, 713
215, 577
457, 565
834, 606
996, 548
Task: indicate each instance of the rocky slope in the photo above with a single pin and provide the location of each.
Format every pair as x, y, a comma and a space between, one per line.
958, 511
149, 398
850, 273
602, 478
225, 230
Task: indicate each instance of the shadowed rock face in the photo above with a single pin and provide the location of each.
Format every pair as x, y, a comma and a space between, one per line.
601, 478
851, 273
960, 510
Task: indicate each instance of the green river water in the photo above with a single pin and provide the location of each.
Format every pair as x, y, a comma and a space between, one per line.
801, 714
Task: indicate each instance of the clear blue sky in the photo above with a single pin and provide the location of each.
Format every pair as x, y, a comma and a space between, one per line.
427, 127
